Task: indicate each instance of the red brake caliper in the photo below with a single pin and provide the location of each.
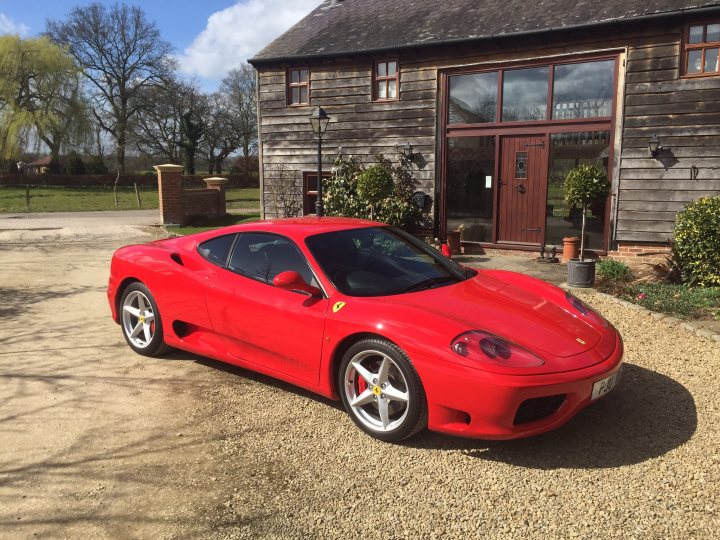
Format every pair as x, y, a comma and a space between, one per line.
361, 384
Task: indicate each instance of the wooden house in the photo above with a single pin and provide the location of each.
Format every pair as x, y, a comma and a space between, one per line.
499, 100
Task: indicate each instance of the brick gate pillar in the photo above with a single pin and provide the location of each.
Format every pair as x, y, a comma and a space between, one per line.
219, 184
170, 191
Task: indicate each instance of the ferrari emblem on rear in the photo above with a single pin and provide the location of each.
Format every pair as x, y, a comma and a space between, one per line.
338, 306
580, 341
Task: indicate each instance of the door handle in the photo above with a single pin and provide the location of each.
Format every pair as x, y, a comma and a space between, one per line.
537, 229
521, 188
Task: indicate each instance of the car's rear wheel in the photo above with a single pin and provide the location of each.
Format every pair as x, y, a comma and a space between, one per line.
381, 390
140, 321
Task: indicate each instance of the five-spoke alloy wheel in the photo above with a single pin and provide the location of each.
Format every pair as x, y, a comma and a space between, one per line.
381, 390
141, 323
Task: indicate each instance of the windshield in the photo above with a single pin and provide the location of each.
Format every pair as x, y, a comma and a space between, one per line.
380, 261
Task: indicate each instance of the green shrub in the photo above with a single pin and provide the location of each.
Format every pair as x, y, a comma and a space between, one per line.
75, 164
612, 270
344, 197
96, 165
678, 300
696, 249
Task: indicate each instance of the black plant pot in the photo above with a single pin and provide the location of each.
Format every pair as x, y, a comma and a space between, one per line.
580, 273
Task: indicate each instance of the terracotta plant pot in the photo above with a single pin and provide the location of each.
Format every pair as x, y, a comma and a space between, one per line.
571, 248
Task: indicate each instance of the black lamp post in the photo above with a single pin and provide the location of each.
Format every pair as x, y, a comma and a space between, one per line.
319, 122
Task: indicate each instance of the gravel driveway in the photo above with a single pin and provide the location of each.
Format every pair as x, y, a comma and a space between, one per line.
99, 442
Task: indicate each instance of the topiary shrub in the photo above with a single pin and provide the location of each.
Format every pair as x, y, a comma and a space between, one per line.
375, 184
584, 185
696, 249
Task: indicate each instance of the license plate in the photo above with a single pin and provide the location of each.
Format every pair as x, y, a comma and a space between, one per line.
603, 386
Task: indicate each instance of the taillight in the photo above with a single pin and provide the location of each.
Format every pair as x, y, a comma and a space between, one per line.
490, 349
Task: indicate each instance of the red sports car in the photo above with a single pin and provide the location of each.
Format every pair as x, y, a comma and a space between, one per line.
366, 313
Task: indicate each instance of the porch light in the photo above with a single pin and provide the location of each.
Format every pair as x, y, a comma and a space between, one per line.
319, 121
407, 151
654, 146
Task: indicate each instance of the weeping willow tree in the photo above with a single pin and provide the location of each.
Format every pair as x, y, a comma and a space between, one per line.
40, 96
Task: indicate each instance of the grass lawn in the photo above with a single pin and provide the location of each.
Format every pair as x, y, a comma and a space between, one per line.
86, 199
202, 225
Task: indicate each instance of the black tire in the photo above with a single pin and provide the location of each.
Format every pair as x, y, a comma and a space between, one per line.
155, 346
408, 417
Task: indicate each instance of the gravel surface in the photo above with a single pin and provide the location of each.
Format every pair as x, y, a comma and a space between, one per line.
642, 463
97, 442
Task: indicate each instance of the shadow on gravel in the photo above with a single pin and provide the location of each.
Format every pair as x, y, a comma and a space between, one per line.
245, 374
648, 415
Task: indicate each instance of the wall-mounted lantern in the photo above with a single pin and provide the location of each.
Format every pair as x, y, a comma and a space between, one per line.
654, 146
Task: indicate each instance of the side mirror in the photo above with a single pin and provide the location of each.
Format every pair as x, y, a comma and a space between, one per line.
292, 281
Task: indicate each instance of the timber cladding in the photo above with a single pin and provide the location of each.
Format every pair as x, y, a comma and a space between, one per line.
653, 98
358, 126
685, 115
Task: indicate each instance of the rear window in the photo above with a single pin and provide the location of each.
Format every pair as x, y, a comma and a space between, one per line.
217, 250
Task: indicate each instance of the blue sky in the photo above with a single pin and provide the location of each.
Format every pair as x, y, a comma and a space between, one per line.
210, 36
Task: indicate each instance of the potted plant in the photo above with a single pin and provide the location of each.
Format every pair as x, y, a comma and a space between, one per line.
584, 185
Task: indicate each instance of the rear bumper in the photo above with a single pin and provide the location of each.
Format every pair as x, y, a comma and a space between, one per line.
473, 403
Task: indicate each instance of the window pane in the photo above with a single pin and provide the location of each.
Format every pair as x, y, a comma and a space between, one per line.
311, 182
525, 93
521, 165
567, 151
392, 89
382, 69
711, 60
263, 256
583, 90
382, 90
713, 32
470, 182
310, 201
473, 98
217, 249
392, 68
295, 95
696, 34
303, 75
303, 94
694, 64
294, 76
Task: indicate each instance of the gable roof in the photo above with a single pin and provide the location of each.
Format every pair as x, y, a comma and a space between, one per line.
341, 27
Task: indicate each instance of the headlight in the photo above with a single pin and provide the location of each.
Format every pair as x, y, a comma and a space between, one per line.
489, 349
585, 310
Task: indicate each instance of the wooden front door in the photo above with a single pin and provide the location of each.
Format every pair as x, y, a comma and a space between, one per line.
523, 188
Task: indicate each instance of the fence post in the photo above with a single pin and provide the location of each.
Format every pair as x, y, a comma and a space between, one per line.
27, 196
218, 184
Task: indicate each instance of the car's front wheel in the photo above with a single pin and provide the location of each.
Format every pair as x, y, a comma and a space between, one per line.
381, 390
140, 320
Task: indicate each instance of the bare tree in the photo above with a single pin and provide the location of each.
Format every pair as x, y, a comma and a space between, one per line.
285, 191
220, 138
239, 91
121, 53
156, 127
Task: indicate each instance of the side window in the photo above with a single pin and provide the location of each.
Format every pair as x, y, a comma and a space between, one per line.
217, 250
263, 256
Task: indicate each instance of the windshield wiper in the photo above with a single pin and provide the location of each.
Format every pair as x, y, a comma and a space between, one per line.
428, 283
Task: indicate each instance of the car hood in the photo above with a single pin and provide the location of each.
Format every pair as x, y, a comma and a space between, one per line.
533, 314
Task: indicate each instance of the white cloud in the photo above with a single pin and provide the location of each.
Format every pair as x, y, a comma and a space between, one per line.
237, 33
8, 26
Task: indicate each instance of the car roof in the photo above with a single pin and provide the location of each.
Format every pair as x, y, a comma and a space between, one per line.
302, 227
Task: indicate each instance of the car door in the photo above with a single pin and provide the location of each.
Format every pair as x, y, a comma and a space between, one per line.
260, 323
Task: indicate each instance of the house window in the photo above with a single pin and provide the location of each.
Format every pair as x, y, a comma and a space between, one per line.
310, 191
702, 50
386, 81
298, 92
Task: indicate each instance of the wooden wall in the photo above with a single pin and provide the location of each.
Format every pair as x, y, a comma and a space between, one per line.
685, 115
358, 126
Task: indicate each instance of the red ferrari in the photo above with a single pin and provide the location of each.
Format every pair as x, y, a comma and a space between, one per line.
366, 313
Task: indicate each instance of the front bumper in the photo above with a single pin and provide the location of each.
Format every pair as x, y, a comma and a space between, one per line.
472, 403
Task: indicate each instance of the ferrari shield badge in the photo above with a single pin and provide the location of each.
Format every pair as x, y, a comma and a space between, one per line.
338, 306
